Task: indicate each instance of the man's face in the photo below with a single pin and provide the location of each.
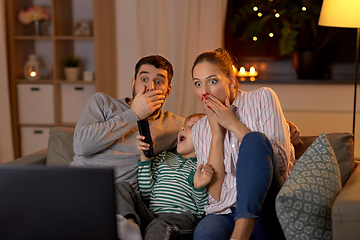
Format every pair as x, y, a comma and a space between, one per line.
152, 78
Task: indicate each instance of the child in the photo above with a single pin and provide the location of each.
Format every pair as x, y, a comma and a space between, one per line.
167, 181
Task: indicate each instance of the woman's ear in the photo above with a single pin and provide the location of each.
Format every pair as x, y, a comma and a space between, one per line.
232, 80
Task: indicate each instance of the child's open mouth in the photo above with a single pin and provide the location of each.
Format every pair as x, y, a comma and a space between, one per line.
182, 138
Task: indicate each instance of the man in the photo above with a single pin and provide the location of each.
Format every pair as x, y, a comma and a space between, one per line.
105, 134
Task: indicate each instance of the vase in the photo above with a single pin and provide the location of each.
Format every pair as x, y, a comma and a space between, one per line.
37, 28
309, 65
72, 73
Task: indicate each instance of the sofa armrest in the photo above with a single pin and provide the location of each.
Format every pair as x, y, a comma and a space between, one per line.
37, 158
346, 209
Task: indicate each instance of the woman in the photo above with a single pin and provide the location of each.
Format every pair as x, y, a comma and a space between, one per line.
246, 139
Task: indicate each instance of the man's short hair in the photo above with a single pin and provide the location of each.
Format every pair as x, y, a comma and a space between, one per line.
158, 62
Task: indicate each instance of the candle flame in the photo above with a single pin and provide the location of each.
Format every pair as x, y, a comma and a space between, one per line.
252, 70
242, 70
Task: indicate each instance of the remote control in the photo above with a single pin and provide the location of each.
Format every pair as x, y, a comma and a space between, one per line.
144, 130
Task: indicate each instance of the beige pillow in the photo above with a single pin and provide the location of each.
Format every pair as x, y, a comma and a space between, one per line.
343, 146
60, 146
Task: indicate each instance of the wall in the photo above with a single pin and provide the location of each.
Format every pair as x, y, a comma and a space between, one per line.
177, 30
126, 23
6, 149
317, 108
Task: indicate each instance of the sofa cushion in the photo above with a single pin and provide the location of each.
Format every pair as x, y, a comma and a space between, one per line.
343, 146
303, 205
346, 208
60, 146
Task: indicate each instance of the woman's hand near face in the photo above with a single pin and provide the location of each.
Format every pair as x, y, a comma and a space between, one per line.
216, 129
220, 112
224, 116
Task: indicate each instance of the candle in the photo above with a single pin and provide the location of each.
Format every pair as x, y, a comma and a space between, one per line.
31, 68
242, 72
253, 72
235, 70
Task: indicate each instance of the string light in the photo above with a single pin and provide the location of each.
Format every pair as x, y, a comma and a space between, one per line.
277, 15
259, 14
254, 38
303, 8
271, 35
255, 8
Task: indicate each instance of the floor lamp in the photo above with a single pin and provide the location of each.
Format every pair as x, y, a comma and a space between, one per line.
343, 13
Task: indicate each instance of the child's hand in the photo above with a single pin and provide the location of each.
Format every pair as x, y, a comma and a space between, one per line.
203, 175
142, 146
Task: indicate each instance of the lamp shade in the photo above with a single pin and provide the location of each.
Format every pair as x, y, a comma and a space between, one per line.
340, 13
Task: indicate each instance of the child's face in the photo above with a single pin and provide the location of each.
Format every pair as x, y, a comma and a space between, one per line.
185, 144
208, 78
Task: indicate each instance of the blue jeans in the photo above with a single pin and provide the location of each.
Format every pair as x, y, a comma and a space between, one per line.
258, 182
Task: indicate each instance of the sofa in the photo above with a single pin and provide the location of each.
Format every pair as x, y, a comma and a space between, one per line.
344, 206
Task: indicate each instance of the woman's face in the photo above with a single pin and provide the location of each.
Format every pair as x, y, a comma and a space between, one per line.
208, 78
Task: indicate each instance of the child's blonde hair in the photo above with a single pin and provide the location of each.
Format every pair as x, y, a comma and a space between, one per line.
199, 115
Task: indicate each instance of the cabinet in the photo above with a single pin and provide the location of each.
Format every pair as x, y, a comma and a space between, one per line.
73, 100
52, 100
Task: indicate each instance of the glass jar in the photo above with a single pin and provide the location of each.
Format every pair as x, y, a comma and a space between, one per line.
31, 68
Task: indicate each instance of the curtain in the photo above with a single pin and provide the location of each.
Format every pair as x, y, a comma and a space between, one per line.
179, 30
6, 147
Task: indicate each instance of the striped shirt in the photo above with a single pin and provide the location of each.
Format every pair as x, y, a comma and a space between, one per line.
168, 183
260, 111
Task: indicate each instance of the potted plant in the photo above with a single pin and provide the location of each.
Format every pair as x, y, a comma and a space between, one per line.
71, 67
295, 24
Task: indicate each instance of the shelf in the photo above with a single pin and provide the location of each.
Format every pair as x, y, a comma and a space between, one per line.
29, 37
40, 81
62, 81
47, 125
52, 100
68, 37
35, 125
74, 82
73, 37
